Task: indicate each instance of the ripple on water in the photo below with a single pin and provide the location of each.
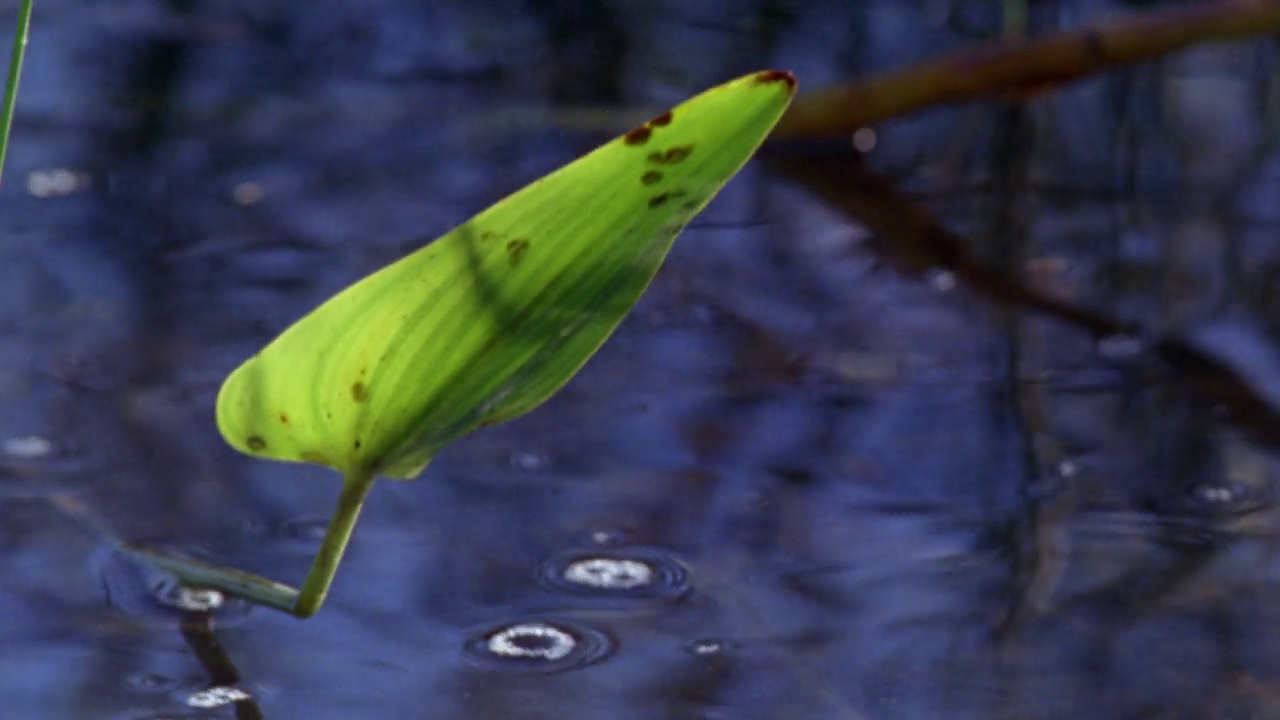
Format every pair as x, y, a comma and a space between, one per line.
136, 588
538, 646
304, 529
637, 572
149, 683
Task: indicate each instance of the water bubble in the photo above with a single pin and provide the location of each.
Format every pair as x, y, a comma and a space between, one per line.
864, 139
708, 647
537, 646
217, 697
616, 572
136, 588
308, 529
609, 573
942, 281
28, 447
186, 598
528, 461
532, 640
608, 537
55, 182
1227, 498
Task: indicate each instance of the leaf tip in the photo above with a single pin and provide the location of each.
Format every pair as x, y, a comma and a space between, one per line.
768, 77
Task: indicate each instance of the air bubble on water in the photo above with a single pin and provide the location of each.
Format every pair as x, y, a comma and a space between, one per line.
55, 182
609, 573
217, 697
864, 139
627, 573
604, 537
188, 598
537, 646
532, 640
707, 647
528, 461
942, 281
1217, 494
27, 447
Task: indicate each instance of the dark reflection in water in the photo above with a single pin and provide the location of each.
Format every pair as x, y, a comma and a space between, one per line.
801, 481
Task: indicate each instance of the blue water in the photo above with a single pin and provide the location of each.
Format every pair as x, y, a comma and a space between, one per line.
796, 483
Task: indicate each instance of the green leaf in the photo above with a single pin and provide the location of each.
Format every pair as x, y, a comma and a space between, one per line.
485, 323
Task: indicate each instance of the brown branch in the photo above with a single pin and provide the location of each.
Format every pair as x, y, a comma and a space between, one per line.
1024, 67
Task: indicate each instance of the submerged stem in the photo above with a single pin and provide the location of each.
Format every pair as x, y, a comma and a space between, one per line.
200, 574
269, 593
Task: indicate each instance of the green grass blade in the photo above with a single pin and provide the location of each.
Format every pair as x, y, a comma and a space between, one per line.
17, 52
485, 323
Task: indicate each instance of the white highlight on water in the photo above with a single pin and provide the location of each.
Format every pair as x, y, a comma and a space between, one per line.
217, 697
194, 599
609, 573
550, 643
29, 447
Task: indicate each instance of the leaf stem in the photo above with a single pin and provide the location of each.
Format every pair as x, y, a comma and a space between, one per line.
15, 72
355, 488
260, 590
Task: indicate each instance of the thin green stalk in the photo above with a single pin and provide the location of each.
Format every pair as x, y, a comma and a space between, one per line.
355, 488
260, 590
15, 73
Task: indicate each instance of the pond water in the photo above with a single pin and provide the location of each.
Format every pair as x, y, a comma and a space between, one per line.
796, 482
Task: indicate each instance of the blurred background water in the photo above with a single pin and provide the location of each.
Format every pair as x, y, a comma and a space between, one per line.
794, 484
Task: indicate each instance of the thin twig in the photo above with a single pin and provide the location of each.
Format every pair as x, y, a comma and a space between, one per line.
1023, 67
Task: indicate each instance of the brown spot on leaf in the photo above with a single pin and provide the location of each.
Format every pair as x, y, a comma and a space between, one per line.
661, 198
516, 250
638, 136
255, 443
284, 418
356, 444
671, 156
650, 177
359, 392
776, 76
